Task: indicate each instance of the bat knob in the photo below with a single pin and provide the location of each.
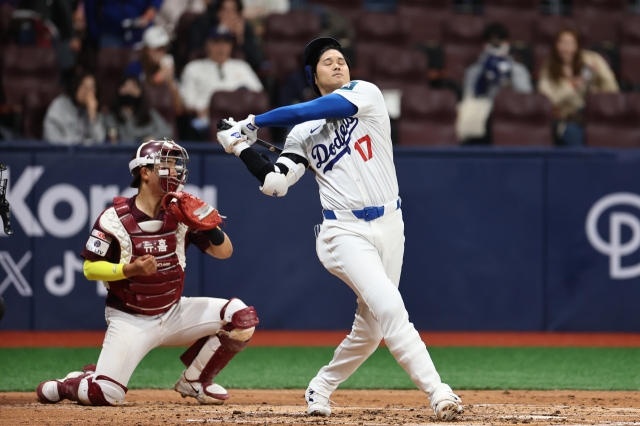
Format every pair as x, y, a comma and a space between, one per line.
223, 125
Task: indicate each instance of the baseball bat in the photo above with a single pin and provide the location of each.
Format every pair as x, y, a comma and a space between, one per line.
223, 125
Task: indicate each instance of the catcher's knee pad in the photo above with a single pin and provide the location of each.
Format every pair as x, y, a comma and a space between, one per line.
100, 390
240, 320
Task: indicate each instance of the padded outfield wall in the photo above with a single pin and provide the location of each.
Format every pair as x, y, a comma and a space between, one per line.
496, 239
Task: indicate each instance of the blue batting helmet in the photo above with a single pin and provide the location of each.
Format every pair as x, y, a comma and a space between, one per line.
311, 57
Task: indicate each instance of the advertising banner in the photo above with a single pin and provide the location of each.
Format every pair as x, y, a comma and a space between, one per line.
495, 240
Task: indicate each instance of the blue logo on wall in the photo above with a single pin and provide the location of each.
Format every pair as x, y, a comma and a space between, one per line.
330, 154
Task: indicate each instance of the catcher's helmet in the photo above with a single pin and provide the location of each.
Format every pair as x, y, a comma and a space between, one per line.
311, 56
160, 152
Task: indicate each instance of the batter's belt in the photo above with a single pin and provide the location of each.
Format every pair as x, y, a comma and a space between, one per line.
367, 214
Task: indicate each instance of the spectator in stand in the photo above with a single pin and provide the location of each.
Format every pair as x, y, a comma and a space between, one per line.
494, 70
131, 120
260, 9
171, 10
229, 14
73, 117
155, 65
59, 13
218, 72
568, 76
119, 23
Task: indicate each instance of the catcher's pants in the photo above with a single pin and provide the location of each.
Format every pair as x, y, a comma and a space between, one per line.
130, 337
368, 257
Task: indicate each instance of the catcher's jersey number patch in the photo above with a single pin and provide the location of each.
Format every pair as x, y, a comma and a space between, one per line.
98, 242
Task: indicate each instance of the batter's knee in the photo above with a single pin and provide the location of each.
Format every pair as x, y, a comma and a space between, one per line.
385, 303
239, 320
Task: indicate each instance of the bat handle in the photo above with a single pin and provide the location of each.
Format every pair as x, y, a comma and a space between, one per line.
223, 125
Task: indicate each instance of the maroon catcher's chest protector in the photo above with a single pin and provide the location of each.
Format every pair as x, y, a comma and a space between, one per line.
156, 293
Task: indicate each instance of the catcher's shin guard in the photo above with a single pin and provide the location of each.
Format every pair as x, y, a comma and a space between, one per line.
209, 355
84, 388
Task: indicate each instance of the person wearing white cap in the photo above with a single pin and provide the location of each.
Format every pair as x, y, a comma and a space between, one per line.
201, 78
155, 65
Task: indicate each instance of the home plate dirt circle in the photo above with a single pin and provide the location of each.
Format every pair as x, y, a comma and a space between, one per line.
361, 407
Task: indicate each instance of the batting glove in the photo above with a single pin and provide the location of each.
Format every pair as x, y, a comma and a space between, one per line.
249, 128
232, 140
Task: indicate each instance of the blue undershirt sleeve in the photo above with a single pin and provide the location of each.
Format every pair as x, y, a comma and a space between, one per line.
330, 106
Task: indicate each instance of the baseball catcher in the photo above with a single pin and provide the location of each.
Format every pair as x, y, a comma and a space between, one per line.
137, 248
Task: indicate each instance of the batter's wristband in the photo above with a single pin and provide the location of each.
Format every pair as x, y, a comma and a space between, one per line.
215, 235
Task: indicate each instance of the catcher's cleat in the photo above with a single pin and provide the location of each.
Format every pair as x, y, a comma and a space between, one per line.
318, 405
51, 392
206, 393
446, 404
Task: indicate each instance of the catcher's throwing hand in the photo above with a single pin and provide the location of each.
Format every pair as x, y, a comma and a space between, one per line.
190, 210
144, 265
232, 139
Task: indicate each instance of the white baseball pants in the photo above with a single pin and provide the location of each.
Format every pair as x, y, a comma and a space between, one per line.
130, 337
368, 257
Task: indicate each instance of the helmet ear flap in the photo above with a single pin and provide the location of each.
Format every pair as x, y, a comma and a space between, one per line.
308, 73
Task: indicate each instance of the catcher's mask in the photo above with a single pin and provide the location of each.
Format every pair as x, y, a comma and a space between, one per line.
162, 157
311, 56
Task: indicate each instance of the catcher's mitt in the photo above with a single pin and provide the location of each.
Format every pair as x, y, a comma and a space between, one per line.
191, 211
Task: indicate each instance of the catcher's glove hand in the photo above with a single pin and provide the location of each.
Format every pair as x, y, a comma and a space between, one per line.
191, 211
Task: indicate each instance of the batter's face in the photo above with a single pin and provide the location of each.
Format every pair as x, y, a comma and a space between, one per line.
332, 72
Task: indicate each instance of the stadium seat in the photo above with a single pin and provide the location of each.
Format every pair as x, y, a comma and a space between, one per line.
457, 58
517, 16
26, 68
611, 5
294, 26
630, 64
547, 27
111, 65
5, 22
393, 67
160, 98
181, 43
428, 118
236, 104
599, 27
340, 4
376, 31
522, 119
425, 22
282, 58
427, 4
382, 28
464, 29
612, 120
35, 105
630, 30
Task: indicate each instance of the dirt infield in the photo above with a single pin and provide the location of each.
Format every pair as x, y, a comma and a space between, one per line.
149, 407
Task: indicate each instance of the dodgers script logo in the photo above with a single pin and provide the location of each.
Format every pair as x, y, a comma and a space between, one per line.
330, 154
615, 248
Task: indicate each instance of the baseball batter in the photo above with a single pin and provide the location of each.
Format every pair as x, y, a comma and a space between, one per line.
344, 137
138, 249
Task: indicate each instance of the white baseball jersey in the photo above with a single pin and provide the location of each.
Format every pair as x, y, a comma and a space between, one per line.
352, 157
